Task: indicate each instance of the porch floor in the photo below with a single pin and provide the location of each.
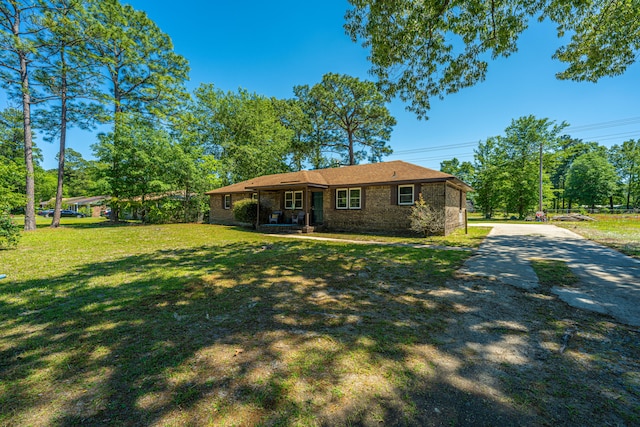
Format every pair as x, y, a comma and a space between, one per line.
285, 228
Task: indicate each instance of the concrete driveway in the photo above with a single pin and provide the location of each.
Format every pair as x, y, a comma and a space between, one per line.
609, 280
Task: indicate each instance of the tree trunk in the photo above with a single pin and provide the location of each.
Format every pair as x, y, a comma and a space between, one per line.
63, 141
30, 211
115, 209
352, 157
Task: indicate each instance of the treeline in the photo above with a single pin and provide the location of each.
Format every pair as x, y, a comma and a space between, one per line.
506, 170
84, 63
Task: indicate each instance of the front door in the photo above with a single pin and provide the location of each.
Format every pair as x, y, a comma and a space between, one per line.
316, 208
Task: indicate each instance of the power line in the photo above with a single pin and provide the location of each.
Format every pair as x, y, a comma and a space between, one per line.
459, 155
622, 122
605, 125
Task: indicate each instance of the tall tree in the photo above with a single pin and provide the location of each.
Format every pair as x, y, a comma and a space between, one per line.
490, 177
353, 112
626, 159
17, 29
144, 75
195, 169
559, 162
517, 158
67, 77
145, 156
244, 131
431, 48
591, 180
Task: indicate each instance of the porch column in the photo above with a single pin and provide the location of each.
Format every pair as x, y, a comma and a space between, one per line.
306, 208
258, 211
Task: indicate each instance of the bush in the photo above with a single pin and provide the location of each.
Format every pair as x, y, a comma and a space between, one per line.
246, 211
9, 232
425, 219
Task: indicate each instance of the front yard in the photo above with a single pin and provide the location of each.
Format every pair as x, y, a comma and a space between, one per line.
208, 325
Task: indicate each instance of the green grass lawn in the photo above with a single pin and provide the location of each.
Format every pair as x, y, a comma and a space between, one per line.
206, 325
471, 239
188, 324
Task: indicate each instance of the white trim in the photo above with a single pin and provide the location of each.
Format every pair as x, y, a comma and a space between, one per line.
346, 198
294, 202
297, 205
227, 205
413, 189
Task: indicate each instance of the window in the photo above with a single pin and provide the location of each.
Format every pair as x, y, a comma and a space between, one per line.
297, 200
348, 198
405, 195
254, 196
293, 199
341, 199
354, 198
227, 201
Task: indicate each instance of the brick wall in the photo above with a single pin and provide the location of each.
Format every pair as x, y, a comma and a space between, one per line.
381, 213
455, 207
377, 213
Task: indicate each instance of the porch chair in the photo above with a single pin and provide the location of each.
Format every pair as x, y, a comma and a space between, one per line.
298, 219
274, 218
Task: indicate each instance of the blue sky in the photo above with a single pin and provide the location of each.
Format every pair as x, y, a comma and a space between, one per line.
269, 47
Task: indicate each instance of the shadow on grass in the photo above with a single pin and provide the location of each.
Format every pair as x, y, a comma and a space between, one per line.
275, 334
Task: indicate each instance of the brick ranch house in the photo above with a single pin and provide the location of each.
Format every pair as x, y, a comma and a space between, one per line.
371, 197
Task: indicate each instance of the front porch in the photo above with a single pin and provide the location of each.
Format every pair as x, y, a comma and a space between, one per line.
286, 228
290, 208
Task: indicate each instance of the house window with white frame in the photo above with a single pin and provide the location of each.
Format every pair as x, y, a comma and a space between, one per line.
342, 201
293, 199
349, 198
355, 197
227, 201
405, 194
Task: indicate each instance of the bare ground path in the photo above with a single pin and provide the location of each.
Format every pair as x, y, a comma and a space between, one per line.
609, 281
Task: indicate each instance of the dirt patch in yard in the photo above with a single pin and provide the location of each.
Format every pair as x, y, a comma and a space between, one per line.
552, 363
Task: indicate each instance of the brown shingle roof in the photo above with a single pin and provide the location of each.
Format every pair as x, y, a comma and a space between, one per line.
395, 172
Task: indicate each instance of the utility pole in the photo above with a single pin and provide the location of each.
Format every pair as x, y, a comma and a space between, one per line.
540, 183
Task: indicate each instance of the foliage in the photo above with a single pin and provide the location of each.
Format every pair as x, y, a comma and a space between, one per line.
243, 131
559, 162
508, 166
421, 50
591, 179
350, 116
246, 210
9, 232
425, 219
464, 171
142, 158
626, 159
